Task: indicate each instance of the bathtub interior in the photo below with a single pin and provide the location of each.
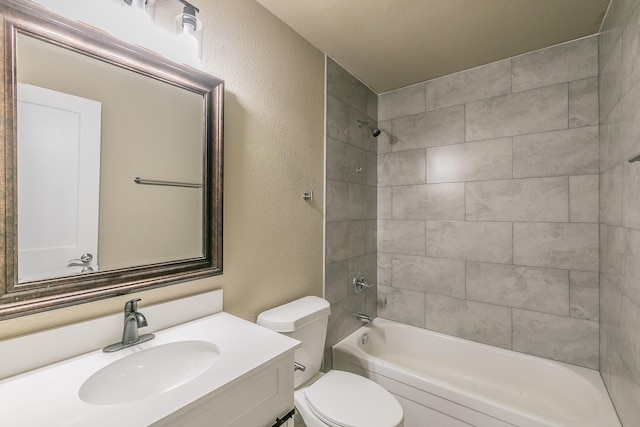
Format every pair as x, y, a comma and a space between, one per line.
534, 387
503, 376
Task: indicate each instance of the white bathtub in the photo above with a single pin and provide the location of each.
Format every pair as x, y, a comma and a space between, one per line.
443, 381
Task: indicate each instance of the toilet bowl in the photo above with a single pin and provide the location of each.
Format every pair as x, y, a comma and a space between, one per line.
343, 399
337, 398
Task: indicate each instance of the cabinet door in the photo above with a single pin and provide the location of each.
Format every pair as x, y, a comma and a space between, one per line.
255, 401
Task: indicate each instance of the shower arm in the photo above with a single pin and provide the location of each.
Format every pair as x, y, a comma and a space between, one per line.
374, 130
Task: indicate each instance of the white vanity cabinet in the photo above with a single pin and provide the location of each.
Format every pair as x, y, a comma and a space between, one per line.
256, 400
248, 384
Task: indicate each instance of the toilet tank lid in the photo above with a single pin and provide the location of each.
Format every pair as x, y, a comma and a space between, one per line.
295, 314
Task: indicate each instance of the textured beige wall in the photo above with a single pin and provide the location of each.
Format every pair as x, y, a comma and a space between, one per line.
273, 153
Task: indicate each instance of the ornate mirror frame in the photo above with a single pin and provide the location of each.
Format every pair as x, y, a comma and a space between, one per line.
22, 299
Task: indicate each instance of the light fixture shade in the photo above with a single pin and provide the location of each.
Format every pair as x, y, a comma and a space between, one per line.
189, 28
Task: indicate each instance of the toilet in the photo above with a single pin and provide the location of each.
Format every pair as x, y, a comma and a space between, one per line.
337, 398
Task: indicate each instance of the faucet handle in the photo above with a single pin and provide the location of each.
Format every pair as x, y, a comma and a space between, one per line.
360, 284
132, 305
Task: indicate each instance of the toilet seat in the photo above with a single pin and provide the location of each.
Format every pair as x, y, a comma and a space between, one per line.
343, 399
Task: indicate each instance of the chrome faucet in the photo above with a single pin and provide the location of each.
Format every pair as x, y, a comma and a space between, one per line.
364, 317
133, 320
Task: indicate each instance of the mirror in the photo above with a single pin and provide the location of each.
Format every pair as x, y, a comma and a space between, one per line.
112, 166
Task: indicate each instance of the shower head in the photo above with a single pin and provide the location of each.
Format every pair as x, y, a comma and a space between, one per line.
374, 130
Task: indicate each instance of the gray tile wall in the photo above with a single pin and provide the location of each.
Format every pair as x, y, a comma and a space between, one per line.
488, 204
620, 208
351, 201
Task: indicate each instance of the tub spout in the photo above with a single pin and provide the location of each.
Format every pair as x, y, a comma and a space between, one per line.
364, 317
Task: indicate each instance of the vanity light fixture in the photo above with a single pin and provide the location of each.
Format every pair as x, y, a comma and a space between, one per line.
140, 4
190, 27
146, 7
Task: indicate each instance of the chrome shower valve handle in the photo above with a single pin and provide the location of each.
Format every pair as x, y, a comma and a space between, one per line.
360, 284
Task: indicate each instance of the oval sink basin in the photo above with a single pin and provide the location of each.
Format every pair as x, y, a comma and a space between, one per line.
149, 372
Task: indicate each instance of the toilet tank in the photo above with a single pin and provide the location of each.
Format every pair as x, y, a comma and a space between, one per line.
306, 320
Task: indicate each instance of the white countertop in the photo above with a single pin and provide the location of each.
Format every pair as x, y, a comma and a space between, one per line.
48, 396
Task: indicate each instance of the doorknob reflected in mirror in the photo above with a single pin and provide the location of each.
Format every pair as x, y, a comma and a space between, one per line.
84, 259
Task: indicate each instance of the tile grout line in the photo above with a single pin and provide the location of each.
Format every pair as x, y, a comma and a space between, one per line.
569, 200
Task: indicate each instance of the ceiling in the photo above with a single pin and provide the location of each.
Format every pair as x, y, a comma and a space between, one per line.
390, 44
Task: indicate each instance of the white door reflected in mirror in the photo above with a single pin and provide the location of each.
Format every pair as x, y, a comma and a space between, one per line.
58, 183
